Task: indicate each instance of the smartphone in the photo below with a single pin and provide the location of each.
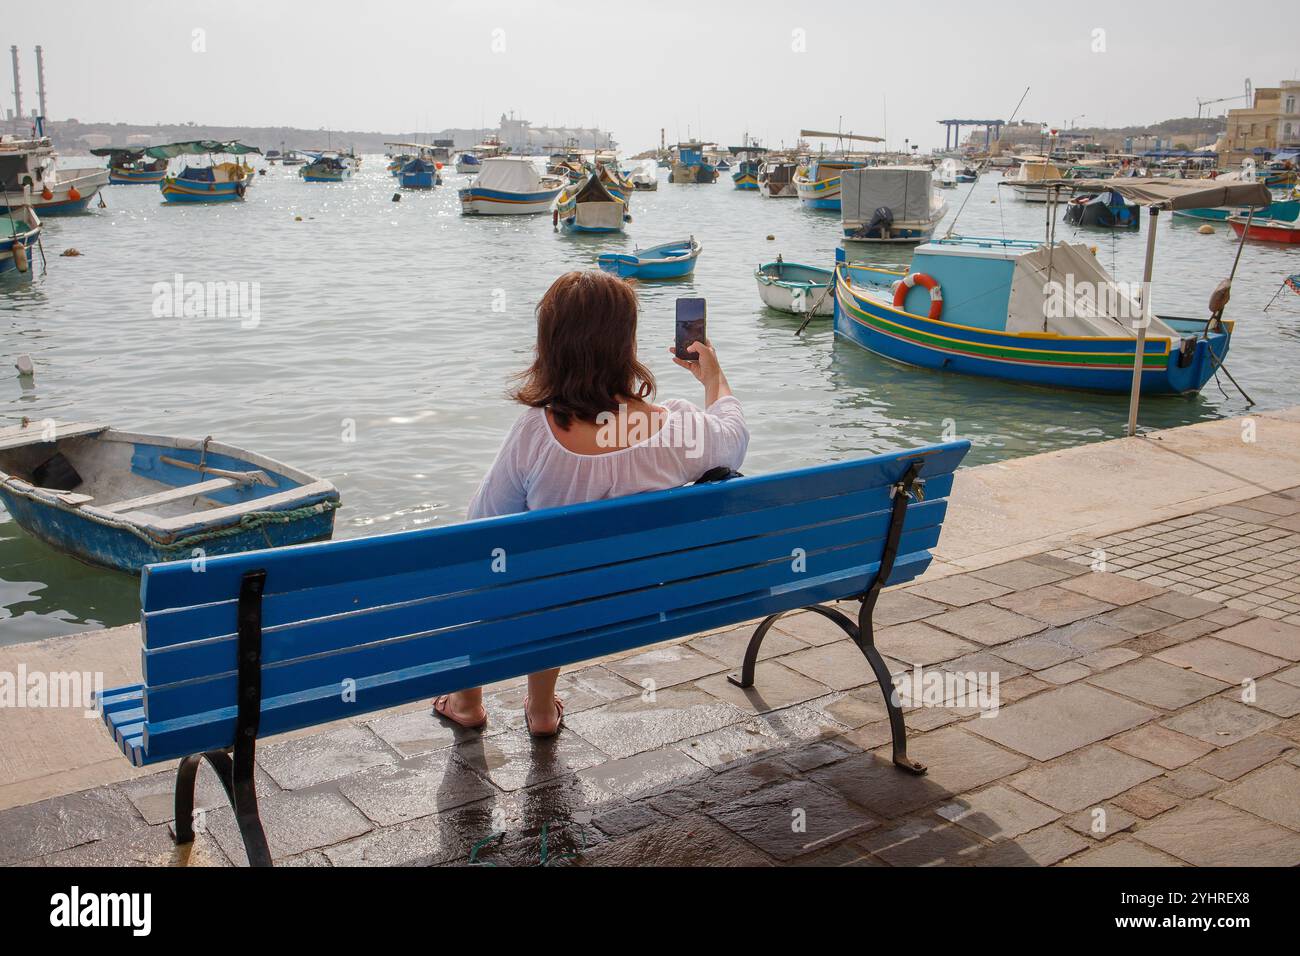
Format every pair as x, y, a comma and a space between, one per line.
690, 327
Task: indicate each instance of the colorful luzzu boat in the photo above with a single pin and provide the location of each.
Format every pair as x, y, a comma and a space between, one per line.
591, 206
507, 186
977, 306
128, 166
214, 182
19, 231
818, 184
1044, 314
327, 168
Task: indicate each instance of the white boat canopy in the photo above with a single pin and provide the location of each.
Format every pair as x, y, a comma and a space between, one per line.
907, 190
508, 175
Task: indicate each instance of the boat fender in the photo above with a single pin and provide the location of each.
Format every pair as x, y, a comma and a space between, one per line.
909, 282
20, 255
73, 194
47, 194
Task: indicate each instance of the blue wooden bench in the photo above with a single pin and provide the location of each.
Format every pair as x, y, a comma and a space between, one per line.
264, 642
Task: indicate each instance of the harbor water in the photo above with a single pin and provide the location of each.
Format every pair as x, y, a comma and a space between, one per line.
371, 342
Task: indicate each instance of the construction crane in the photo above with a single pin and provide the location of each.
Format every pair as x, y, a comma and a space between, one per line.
1248, 96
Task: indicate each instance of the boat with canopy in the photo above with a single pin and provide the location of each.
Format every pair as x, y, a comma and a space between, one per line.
591, 206
818, 182
509, 186
128, 165
1044, 313
224, 181
890, 204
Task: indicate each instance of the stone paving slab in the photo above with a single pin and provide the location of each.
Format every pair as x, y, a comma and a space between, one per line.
1142, 697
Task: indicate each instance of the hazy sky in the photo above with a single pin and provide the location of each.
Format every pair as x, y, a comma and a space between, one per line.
715, 68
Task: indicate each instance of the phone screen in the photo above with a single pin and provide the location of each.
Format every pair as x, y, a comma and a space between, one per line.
690, 327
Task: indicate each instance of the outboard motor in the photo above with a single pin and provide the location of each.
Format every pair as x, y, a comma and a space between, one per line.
882, 219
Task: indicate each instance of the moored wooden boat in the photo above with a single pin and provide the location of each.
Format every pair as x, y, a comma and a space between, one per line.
509, 186
889, 204
30, 176
591, 206
327, 167
690, 165
215, 182
672, 260
776, 179
130, 166
123, 500
986, 307
794, 288
1266, 230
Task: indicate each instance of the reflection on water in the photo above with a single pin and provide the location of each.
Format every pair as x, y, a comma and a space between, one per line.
388, 332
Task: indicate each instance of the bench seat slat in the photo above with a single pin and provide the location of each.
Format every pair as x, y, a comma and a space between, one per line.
164, 629
359, 661
327, 635
322, 704
292, 569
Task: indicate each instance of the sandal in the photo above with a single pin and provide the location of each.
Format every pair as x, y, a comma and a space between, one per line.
559, 724
439, 708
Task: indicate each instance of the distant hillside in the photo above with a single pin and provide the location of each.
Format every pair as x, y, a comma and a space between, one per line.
71, 136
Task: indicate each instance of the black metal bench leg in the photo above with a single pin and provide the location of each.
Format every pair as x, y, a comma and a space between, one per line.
746, 676
236, 772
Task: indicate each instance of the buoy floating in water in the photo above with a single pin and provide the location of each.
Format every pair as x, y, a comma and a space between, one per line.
770, 238
1206, 230
70, 252
397, 197
297, 218
25, 367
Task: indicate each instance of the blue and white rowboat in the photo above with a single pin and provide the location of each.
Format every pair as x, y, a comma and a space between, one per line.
672, 260
122, 500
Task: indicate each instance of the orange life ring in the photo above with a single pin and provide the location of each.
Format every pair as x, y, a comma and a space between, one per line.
909, 282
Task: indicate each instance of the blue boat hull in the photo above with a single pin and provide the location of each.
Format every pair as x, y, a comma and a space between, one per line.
1091, 364
64, 207
7, 264
123, 550
416, 180
653, 270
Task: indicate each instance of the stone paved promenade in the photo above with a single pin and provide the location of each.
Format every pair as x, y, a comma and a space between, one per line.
1149, 715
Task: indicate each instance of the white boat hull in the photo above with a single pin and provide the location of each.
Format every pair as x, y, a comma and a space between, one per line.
783, 299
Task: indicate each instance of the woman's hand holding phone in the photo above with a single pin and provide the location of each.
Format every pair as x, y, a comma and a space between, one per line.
706, 370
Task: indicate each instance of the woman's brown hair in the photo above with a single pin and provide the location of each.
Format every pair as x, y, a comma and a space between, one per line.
585, 361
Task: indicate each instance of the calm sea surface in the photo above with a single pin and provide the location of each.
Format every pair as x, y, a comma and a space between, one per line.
399, 323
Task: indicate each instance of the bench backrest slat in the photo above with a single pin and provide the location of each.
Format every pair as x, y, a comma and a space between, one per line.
327, 633
297, 568
167, 628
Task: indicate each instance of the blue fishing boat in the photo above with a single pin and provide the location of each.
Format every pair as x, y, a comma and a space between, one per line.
19, 231
419, 174
672, 260
122, 500
214, 182
689, 164
967, 174
1282, 210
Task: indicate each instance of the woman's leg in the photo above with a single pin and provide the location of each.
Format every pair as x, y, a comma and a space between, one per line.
465, 707
543, 715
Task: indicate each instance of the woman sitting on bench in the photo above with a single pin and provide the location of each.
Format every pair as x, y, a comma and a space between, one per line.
591, 430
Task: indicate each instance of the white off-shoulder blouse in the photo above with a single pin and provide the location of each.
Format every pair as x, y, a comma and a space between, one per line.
533, 470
